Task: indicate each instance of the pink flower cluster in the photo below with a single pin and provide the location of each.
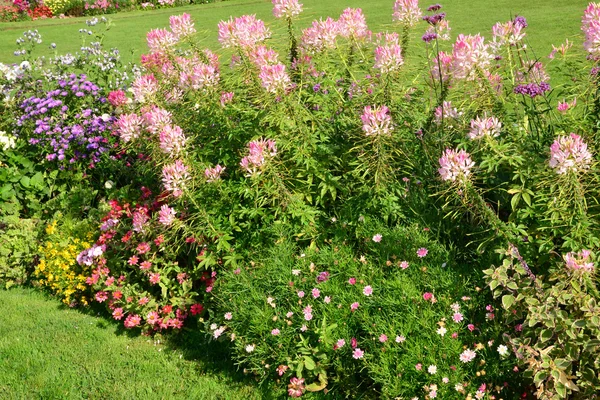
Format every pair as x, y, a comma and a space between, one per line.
172, 139
257, 151
161, 40
579, 261
484, 126
446, 111
377, 121
469, 53
182, 25
569, 153
590, 25
144, 88
455, 165
286, 8
320, 36
262, 55
274, 78
175, 176
244, 32
166, 215
441, 62
352, 24
388, 58
407, 12
214, 174
129, 126
564, 106
508, 33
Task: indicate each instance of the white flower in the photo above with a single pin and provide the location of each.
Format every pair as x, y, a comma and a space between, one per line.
250, 348
296, 272
503, 350
6, 141
441, 331
432, 369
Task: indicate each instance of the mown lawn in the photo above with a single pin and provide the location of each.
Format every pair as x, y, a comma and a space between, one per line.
48, 351
550, 22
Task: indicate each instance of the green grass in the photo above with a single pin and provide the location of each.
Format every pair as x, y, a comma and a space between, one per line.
550, 21
48, 351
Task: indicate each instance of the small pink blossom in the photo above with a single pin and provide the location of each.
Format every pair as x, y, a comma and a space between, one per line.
422, 252
457, 317
400, 339
275, 332
143, 248
368, 290
301, 294
101, 297
467, 356
175, 176
154, 278
352, 281
455, 165
214, 174
327, 300
407, 12
377, 238
132, 321
316, 293
166, 215
354, 306
383, 338
339, 344
579, 261
404, 264
377, 121
471, 327
419, 367
118, 313
286, 8
569, 153
228, 316
427, 296
182, 25
357, 353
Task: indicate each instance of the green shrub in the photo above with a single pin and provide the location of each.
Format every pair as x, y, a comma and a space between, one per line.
18, 249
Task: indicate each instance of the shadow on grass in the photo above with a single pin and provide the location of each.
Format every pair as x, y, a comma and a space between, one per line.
212, 357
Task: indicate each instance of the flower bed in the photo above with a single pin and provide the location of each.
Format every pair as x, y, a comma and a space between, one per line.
346, 223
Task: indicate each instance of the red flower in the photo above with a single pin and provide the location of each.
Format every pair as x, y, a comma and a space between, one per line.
197, 309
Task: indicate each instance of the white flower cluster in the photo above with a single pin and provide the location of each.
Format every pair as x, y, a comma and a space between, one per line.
6, 141
12, 72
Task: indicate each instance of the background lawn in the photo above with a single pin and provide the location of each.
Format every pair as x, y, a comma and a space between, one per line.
48, 351
550, 22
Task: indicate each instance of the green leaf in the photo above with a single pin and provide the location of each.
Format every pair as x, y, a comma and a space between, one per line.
514, 202
309, 363
540, 377
25, 181
508, 300
546, 335
562, 363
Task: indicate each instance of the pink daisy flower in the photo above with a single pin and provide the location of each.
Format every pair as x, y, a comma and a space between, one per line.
368, 290
422, 252
357, 353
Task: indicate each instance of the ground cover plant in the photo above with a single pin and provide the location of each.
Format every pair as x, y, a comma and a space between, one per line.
405, 213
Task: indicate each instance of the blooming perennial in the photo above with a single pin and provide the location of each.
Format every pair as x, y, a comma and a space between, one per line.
468, 54
286, 8
174, 177
484, 126
258, 150
388, 58
579, 261
590, 25
377, 121
243, 32
455, 165
407, 12
569, 153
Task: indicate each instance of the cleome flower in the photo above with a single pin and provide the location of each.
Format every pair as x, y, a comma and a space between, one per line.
455, 165
569, 153
579, 261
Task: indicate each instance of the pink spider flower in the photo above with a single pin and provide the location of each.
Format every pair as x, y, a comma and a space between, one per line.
579, 261
166, 215
274, 78
172, 140
258, 151
214, 174
455, 165
484, 126
446, 111
286, 8
564, 106
263, 55
388, 58
569, 153
129, 126
157, 119
144, 88
182, 25
117, 98
377, 121
320, 36
590, 25
352, 24
407, 12
468, 54
161, 40
226, 98
243, 32
175, 177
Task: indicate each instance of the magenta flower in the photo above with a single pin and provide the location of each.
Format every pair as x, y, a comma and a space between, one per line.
258, 151
132, 321
377, 121
262, 55
316, 293
591, 28
404, 264
422, 252
469, 54
471, 327
357, 353
354, 306
368, 290
427, 296
117, 98
352, 281
226, 98
383, 338
286, 8
455, 165
564, 106
569, 153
